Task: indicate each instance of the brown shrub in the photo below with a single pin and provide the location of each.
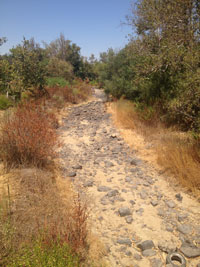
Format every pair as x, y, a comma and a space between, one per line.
27, 136
79, 91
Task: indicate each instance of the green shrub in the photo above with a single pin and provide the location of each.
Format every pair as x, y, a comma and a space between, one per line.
56, 81
5, 102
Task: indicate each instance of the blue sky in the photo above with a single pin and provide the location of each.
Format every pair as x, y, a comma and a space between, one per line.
94, 25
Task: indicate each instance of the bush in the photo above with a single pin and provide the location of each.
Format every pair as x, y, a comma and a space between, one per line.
27, 136
4, 102
56, 81
78, 91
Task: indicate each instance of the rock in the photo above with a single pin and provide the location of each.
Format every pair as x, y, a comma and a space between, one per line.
179, 197
109, 164
129, 219
133, 170
124, 241
77, 167
128, 253
112, 193
156, 262
147, 244
128, 180
135, 162
140, 211
143, 194
124, 211
148, 253
132, 202
72, 174
154, 203
120, 199
113, 136
169, 228
161, 212
167, 247
184, 229
137, 257
182, 217
103, 188
88, 183
190, 251
171, 204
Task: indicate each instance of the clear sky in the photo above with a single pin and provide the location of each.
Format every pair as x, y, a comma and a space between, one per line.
94, 25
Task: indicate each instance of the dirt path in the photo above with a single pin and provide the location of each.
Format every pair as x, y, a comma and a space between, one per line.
130, 201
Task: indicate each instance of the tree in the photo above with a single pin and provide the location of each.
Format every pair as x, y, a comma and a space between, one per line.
2, 40
60, 68
63, 49
28, 68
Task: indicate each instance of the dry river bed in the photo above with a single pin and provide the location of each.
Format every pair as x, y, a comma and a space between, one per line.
135, 213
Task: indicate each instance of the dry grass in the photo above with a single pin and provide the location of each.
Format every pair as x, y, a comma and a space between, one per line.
40, 202
27, 136
177, 152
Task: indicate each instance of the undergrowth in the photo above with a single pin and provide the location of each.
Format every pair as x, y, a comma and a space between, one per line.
177, 152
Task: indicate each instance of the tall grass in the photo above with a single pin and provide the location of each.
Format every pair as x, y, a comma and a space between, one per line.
177, 152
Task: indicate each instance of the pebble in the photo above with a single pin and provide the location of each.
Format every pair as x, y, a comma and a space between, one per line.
88, 183
148, 253
184, 229
124, 241
137, 257
147, 244
190, 251
103, 188
112, 193
124, 211
154, 203
182, 217
129, 219
179, 197
77, 167
143, 194
171, 204
72, 174
156, 263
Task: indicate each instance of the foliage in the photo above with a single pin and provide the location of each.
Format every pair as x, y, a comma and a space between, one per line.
56, 81
64, 50
160, 65
28, 68
27, 136
2, 40
5, 75
60, 68
5, 102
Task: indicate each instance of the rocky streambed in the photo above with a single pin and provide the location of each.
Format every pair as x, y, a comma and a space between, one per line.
136, 214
